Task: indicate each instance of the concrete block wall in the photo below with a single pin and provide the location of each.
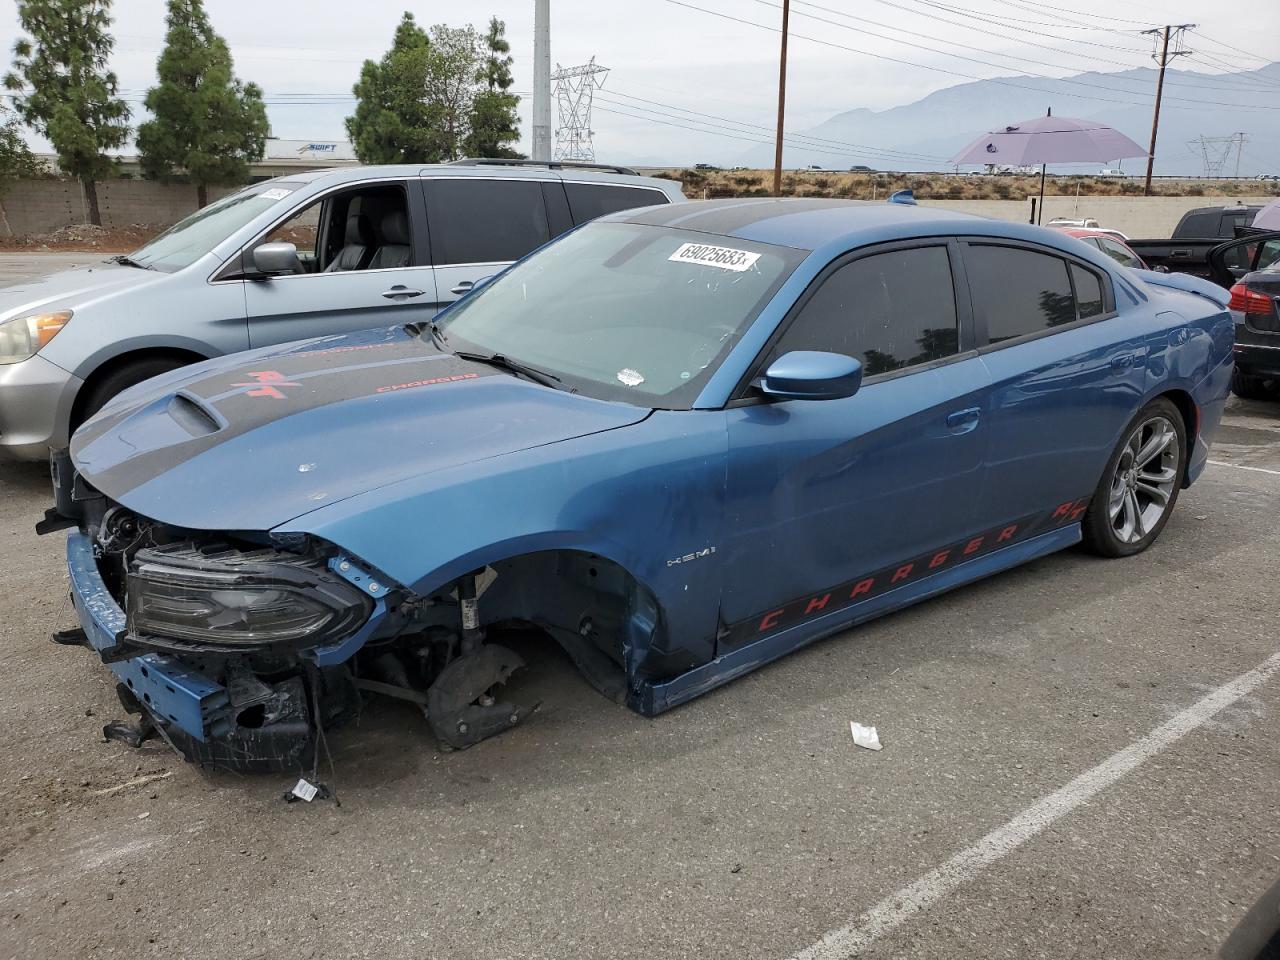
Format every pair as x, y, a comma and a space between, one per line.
1137, 217
32, 207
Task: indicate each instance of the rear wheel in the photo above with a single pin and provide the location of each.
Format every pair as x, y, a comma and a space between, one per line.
1139, 487
1249, 387
117, 381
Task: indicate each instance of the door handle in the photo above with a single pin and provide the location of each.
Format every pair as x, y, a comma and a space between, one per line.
1122, 362
401, 292
463, 287
962, 421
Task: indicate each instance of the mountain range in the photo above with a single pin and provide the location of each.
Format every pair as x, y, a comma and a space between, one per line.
923, 135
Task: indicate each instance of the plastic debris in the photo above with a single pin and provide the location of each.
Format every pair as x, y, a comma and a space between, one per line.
865, 736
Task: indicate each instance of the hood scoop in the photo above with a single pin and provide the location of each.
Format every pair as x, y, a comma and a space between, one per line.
194, 416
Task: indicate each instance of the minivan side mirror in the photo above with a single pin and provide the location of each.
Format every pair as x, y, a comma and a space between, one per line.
279, 257
812, 375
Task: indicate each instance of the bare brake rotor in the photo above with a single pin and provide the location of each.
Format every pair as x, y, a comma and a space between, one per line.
460, 704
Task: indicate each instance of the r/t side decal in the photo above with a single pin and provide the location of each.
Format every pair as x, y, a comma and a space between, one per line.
873, 584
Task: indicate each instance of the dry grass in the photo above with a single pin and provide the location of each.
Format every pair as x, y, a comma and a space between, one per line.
706, 185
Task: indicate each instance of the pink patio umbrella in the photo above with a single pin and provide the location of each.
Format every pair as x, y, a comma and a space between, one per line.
1050, 139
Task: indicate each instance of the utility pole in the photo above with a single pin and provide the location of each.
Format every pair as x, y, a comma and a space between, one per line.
782, 101
1162, 35
542, 80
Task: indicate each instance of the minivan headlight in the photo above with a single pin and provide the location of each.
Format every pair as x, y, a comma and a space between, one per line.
23, 337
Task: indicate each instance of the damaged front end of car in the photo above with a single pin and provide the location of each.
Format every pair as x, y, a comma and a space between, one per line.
240, 649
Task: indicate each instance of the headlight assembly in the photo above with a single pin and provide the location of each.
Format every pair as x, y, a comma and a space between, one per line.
180, 596
23, 337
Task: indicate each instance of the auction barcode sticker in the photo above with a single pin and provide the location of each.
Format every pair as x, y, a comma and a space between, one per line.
726, 258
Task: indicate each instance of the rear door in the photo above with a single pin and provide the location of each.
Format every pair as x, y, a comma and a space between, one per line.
1230, 261
479, 225
1067, 373
392, 284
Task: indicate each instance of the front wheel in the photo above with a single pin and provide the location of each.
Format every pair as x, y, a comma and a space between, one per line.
1139, 487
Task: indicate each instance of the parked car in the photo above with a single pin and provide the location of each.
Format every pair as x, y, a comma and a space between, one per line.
1107, 242
1255, 307
1083, 222
313, 253
681, 442
1197, 232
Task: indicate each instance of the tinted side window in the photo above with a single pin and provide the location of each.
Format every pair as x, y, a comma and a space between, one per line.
890, 310
1088, 292
1198, 225
590, 200
1018, 291
484, 221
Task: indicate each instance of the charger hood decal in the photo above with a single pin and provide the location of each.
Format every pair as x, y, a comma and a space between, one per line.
251, 443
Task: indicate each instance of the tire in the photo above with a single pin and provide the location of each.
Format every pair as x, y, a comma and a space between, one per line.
1247, 387
1131, 506
120, 380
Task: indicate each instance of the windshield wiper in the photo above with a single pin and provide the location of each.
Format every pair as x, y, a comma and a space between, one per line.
128, 261
511, 366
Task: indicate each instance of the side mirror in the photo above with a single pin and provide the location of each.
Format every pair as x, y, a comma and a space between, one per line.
276, 258
812, 375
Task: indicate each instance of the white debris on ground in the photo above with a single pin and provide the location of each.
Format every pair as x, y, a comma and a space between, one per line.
865, 736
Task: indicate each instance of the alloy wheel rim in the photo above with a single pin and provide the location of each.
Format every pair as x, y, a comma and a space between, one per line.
1144, 481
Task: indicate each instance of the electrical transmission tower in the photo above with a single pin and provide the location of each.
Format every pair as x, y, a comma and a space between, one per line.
574, 91
1217, 151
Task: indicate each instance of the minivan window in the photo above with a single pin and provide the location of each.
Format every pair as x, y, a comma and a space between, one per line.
1018, 291
590, 200
484, 221
188, 240
890, 310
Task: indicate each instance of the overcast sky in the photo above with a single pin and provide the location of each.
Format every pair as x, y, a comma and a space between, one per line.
676, 57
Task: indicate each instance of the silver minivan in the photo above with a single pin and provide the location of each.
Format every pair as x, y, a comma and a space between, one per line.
306, 255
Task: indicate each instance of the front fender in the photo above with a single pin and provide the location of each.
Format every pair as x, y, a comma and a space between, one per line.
645, 497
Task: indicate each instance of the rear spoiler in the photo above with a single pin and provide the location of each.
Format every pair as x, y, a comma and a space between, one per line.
1187, 284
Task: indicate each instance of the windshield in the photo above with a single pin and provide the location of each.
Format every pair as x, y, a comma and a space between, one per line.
188, 240
624, 311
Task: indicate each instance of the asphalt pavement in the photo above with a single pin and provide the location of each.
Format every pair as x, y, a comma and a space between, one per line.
1080, 760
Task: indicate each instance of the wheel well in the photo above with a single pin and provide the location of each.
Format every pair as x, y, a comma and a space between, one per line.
1190, 421
91, 382
602, 615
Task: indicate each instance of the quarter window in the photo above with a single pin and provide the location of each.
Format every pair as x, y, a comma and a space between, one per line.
890, 310
485, 221
1018, 291
590, 200
1088, 292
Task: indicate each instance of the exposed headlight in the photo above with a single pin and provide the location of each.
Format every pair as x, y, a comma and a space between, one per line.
210, 599
23, 337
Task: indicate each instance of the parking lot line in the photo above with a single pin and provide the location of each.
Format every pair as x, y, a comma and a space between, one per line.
1241, 466
895, 910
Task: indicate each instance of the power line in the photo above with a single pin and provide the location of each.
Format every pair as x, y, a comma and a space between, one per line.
988, 63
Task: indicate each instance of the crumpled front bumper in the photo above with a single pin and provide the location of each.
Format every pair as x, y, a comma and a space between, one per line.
172, 691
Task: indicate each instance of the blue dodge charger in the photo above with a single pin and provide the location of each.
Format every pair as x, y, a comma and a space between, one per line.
680, 442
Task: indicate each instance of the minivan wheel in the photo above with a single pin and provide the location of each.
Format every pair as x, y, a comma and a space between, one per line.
1139, 487
117, 381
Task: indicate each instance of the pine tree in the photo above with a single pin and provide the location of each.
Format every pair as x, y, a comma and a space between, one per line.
64, 90
494, 120
393, 122
205, 122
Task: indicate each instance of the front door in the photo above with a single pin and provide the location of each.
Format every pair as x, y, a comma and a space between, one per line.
364, 264
833, 502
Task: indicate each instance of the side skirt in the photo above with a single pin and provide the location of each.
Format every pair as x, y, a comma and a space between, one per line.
651, 699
